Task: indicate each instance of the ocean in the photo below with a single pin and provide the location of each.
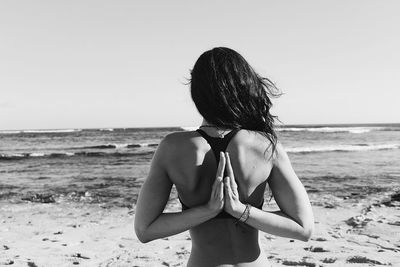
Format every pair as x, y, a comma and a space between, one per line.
108, 166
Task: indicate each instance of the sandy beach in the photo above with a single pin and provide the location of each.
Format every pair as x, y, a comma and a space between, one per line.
347, 233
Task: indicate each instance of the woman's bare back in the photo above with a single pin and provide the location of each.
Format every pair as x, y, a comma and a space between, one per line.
192, 166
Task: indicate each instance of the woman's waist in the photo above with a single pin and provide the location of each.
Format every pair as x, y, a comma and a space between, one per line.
223, 234
227, 255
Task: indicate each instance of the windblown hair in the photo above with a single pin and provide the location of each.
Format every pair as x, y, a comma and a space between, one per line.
229, 94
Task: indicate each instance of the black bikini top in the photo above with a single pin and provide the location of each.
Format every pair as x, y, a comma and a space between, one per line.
218, 144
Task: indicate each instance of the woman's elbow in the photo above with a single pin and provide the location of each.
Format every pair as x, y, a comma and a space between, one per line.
142, 237
308, 230
142, 234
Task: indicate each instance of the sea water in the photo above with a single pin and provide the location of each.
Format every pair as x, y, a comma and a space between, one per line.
108, 166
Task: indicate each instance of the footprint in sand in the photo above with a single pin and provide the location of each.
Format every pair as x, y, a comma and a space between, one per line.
361, 259
316, 249
7, 262
321, 239
77, 258
299, 263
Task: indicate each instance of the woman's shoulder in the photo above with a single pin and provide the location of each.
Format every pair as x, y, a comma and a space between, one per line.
178, 139
255, 141
251, 137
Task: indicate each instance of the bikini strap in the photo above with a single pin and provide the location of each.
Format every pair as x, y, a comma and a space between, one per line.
218, 144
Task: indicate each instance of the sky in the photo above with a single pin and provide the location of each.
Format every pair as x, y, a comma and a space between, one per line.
95, 64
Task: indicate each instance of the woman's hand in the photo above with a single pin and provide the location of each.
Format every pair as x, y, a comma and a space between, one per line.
232, 205
216, 202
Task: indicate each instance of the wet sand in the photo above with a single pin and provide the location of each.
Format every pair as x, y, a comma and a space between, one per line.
353, 233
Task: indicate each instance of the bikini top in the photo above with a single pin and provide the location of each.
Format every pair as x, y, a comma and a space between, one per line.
218, 144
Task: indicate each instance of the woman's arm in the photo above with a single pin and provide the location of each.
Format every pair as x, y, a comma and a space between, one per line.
150, 221
295, 218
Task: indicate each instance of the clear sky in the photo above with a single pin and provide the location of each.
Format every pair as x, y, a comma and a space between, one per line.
83, 64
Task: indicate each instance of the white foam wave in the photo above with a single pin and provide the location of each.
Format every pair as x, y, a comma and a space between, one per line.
9, 132
40, 131
355, 130
119, 146
34, 155
52, 131
107, 129
344, 148
14, 155
37, 154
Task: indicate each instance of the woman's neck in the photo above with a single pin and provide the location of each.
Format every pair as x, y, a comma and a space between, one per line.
213, 129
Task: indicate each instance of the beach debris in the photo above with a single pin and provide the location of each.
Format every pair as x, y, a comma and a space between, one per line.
358, 221
80, 256
31, 264
40, 198
395, 197
329, 260
330, 206
5, 247
361, 259
393, 201
58, 233
320, 239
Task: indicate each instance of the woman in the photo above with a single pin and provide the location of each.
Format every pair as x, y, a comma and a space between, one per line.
221, 171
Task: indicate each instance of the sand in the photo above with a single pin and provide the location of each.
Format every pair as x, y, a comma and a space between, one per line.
353, 233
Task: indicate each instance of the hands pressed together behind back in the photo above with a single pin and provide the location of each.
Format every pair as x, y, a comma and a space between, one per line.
224, 194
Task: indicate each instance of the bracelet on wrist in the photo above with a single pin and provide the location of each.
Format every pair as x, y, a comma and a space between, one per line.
245, 215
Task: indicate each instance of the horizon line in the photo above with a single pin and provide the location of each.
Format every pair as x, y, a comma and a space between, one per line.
193, 126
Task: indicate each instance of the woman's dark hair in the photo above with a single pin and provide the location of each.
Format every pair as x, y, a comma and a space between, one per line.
229, 94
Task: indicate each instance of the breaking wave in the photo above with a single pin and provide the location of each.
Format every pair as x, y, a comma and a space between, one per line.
21, 156
117, 146
40, 131
342, 148
354, 130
